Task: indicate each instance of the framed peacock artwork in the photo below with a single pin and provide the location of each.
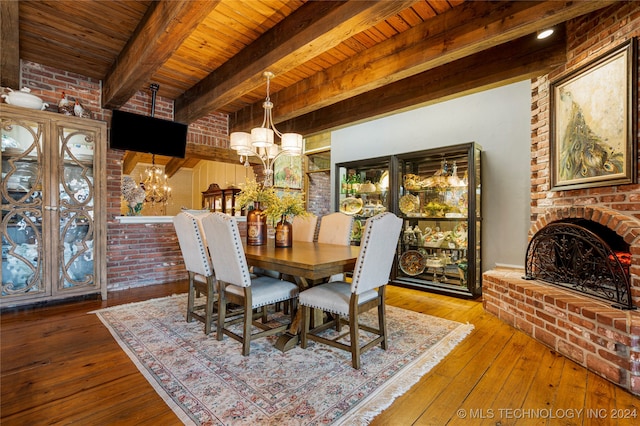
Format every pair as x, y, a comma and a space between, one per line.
593, 121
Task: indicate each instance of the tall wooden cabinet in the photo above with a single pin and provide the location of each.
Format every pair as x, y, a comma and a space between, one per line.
53, 206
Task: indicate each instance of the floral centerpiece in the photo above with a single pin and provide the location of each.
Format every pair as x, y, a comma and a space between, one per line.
253, 192
284, 208
267, 204
261, 197
133, 195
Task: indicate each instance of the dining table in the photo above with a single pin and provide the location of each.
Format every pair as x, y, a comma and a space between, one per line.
308, 262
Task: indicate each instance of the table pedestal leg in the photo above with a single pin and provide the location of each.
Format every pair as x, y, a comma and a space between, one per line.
291, 337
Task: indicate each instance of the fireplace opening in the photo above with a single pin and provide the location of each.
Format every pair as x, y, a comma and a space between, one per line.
583, 256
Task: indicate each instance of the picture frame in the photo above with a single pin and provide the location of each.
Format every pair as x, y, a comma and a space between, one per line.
287, 172
593, 110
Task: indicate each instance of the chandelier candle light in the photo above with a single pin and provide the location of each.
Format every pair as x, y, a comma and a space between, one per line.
155, 185
261, 141
156, 188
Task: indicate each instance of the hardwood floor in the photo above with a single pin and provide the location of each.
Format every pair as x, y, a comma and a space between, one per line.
60, 365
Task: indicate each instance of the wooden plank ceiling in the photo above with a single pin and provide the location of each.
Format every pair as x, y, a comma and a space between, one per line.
335, 62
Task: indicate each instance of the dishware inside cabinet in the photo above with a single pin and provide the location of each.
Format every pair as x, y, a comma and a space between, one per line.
363, 191
439, 199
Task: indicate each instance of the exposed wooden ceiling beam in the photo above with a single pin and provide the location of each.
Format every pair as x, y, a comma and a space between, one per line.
172, 167
469, 28
518, 60
163, 29
9, 45
129, 161
194, 154
222, 155
287, 45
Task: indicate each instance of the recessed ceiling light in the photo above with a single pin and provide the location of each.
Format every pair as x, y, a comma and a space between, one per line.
544, 33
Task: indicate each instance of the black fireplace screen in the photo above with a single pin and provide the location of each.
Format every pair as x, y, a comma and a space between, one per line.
571, 256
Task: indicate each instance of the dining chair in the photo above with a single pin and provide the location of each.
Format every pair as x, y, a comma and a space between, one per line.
236, 285
365, 292
335, 228
304, 228
197, 261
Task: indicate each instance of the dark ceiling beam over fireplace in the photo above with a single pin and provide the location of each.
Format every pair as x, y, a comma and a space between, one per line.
469, 28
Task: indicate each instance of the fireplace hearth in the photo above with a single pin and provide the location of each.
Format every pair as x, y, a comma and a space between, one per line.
582, 256
575, 320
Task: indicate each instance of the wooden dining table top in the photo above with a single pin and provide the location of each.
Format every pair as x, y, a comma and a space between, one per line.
311, 261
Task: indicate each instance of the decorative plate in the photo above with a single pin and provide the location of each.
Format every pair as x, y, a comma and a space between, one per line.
384, 180
412, 262
351, 205
9, 142
409, 204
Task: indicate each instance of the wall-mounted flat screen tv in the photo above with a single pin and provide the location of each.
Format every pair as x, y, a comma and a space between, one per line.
141, 133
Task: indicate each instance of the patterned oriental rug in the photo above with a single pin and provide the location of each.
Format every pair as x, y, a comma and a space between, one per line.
207, 382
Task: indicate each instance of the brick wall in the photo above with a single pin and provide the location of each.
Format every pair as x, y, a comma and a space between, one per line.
591, 333
319, 202
588, 37
137, 255
143, 254
597, 336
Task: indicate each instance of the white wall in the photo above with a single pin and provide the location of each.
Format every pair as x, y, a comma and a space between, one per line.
499, 120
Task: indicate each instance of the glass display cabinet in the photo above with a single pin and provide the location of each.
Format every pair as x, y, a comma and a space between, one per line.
364, 190
53, 213
212, 198
439, 201
216, 199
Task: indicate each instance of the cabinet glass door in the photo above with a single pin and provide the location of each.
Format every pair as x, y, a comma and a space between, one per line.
363, 191
22, 207
439, 202
75, 206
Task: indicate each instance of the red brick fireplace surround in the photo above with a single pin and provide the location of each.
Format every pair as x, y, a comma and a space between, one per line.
589, 331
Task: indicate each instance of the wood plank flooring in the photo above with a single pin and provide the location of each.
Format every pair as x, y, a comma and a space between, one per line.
60, 365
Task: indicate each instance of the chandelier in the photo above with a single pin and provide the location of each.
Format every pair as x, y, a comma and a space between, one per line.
154, 182
156, 188
261, 143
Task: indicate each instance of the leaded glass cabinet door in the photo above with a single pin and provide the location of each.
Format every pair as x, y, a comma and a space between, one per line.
53, 215
23, 242
76, 204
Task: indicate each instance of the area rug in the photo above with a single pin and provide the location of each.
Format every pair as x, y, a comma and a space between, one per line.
207, 382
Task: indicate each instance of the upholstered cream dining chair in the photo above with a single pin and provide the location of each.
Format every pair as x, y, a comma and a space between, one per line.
236, 285
198, 264
335, 228
365, 292
304, 228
